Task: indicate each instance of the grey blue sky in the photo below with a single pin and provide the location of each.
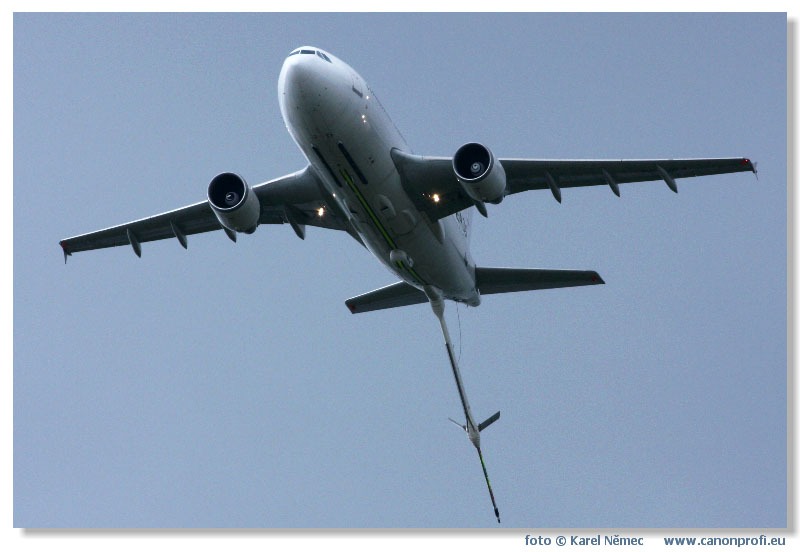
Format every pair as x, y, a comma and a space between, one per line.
228, 385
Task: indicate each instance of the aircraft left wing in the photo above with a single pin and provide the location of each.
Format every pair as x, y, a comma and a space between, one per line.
294, 199
431, 182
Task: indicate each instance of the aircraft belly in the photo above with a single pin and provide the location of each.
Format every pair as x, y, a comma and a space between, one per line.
387, 221
441, 264
360, 179
430, 262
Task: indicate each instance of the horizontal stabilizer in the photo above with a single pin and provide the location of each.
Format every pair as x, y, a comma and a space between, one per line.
400, 294
489, 280
489, 421
506, 280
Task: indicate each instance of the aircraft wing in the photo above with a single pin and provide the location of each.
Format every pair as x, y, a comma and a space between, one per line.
294, 199
423, 177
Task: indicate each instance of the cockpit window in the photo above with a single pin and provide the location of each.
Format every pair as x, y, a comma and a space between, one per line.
311, 52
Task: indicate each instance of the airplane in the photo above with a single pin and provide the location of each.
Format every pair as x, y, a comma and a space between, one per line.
412, 212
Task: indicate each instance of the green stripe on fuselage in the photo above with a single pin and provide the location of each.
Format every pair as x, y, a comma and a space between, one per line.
377, 223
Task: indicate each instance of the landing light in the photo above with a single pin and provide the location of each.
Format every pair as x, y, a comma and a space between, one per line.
436, 198
321, 211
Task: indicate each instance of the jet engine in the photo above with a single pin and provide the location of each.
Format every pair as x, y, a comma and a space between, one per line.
234, 203
479, 173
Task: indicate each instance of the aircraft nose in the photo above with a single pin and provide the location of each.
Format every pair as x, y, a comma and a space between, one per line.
301, 79
298, 74
309, 85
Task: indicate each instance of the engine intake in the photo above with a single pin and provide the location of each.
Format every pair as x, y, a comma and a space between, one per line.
234, 203
479, 174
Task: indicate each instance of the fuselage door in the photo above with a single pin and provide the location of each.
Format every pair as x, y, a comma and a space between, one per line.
357, 87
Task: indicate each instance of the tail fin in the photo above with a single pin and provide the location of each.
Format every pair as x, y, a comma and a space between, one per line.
481, 426
462, 426
489, 421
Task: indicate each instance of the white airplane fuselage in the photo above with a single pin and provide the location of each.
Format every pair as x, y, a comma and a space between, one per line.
347, 137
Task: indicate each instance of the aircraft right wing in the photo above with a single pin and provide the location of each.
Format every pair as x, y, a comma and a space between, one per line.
294, 199
534, 174
431, 183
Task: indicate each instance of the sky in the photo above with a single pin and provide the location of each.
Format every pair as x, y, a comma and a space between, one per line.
228, 386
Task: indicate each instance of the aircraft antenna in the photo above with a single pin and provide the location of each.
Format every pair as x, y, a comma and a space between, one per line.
489, 486
460, 341
472, 429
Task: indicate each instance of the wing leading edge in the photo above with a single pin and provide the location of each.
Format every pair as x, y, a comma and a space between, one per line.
432, 186
294, 199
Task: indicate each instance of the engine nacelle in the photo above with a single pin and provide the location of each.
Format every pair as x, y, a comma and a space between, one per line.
479, 173
234, 203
